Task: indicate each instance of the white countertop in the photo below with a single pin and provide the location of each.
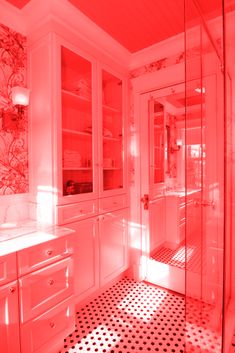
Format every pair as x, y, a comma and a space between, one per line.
21, 235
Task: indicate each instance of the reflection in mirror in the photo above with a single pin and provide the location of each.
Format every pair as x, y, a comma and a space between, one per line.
167, 135
158, 143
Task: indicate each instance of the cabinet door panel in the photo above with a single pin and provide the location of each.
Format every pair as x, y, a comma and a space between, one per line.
112, 244
46, 332
113, 133
86, 258
77, 125
7, 268
45, 288
9, 319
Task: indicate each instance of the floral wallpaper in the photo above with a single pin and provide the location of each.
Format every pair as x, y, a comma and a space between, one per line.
157, 65
13, 126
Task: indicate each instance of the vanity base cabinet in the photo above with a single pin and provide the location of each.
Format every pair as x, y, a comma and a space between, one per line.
45, 333
37, 297
9, 318
46, 295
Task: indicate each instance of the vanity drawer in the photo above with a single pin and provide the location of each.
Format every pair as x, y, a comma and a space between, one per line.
76, 211
7, 268
38, 256
42, 289
46, 332
112, 203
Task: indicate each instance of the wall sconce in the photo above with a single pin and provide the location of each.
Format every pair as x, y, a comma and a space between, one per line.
178, 145
20, 98
14, 112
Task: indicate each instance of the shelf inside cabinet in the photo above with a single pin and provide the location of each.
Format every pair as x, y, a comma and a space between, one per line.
113, 139
108, 108
78, 169
75, 132
80, 102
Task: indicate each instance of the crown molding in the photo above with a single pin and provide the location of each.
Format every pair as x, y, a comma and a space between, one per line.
36, 13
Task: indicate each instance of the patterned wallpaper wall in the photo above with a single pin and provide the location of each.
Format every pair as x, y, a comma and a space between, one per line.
13, 128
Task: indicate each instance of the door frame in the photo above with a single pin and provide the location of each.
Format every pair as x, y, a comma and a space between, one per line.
143, 84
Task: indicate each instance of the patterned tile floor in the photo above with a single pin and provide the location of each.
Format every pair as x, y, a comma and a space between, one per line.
177, 257
133, 317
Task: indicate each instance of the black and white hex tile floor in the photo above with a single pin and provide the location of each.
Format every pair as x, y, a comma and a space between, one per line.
133, 317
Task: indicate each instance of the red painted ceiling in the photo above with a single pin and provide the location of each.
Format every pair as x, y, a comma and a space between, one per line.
19, 3
137, 24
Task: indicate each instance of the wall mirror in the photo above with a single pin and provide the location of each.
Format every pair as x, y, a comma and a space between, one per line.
167, 132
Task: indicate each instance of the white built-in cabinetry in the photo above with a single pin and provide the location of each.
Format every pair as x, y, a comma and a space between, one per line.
9, 314
79, 144
37, 307
100, 251
78, 132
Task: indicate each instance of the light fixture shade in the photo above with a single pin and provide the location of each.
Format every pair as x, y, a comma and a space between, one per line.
20, 96
179, 142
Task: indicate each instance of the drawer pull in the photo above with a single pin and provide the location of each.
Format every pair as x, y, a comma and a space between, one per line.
51, 282
52, 324
12, 290
81, 211
49, 252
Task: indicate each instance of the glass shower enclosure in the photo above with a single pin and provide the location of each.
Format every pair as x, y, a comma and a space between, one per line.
208, 178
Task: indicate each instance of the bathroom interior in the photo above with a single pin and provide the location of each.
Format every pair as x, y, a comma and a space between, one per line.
117, 169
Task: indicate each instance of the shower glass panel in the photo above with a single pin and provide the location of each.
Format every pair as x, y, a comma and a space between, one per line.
204, 156
229, 280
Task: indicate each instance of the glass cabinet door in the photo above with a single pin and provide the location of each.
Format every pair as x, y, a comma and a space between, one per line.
112, 131
156, 141
77, 129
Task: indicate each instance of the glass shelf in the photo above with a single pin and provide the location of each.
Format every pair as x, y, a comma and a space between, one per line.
111, 109
75, 132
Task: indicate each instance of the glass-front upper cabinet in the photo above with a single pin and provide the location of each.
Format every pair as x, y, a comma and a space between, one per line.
77, 129
112, 132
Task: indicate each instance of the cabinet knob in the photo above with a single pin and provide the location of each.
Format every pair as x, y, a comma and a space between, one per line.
51, 282
49, 252
12, 290
81, 211
52, 324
